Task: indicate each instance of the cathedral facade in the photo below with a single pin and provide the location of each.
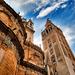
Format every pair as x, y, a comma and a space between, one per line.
20, 56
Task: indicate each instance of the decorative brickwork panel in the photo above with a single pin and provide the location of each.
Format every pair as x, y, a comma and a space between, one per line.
33, 56
57, 51
53, 37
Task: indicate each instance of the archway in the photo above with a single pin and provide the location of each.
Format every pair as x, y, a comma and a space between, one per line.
14, 39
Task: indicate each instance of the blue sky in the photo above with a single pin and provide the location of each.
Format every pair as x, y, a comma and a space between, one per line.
60, 12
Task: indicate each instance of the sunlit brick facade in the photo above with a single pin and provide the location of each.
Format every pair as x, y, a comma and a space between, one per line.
58, 55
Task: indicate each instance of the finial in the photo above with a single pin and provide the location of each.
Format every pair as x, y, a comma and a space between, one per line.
48, 20
48, 23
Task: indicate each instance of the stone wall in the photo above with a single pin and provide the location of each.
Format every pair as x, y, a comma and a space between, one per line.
34, 54
26, 71
10, 21
8, 61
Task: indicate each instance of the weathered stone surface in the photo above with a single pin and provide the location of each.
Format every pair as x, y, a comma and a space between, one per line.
8, 62
20, 70
2, 52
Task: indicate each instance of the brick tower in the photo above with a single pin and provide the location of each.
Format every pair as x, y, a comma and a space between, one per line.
59, 59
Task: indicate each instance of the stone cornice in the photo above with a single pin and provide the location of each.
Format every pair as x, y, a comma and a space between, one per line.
35, 47
34, 67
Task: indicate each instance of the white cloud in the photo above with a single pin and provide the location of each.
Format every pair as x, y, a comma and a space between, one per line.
44, 1
38, 8
23, 2
69, 34
64, 5
46, 11
38, 41
21, 13
21, 5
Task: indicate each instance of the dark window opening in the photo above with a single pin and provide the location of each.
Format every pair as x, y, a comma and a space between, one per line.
20, 32
50, 45
51, 73
14, 29
55, 72
51, 51
53, 59
47, 31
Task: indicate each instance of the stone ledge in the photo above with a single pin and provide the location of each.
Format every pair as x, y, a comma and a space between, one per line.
34, 67
30, 44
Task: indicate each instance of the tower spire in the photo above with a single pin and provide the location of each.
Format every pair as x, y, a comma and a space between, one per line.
48, 23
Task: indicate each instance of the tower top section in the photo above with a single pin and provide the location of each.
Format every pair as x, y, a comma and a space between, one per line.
29, 27
48, 24
30, 24
49, 28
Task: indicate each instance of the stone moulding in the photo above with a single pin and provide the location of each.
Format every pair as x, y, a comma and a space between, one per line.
29, 44
34, 67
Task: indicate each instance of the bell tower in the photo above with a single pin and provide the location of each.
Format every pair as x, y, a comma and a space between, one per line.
58, 55
29, 29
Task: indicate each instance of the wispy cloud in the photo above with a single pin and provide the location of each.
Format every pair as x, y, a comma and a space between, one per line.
69, 34
64, 5
22, 2
26, 6
40, 4
48, 10
22, 6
